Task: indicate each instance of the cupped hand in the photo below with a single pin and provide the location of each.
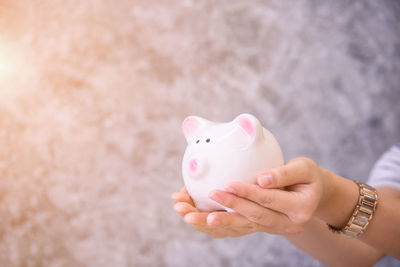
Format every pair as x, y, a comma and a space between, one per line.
284, 198
217, 224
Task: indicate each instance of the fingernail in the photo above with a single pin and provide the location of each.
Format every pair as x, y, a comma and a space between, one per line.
216, 196
188, 218
265, 179
230, 190
213, 220
178, 207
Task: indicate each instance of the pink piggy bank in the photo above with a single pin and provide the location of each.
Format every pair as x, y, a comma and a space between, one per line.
219, 153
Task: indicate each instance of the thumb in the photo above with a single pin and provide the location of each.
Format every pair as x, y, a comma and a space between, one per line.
296, 171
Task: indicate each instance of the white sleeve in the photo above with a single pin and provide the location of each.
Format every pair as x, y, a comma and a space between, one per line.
386, 171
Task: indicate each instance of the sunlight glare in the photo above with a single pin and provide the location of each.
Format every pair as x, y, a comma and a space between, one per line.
12, 69
7, 64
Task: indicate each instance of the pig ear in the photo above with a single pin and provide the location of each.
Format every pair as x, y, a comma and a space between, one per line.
192, 125
250, 126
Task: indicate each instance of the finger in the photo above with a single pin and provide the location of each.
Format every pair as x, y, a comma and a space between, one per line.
232, 224
198, 221
222, 224
182, 197
236, 224
184, 190
232, 220
186, 193
296, 171
252, 211
176, 196
184, 208
196, 218
276, 199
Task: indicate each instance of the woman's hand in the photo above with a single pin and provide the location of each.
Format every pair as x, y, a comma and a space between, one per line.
282, 202
217, 224
284, 198
300, 197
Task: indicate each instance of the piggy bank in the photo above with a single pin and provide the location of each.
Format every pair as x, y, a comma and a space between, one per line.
219, 153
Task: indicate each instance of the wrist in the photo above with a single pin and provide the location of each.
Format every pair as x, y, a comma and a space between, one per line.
329, 187
338, 200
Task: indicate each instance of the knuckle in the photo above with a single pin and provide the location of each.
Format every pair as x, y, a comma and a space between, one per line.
266, 200
307, 163
244, 190
230, 201
305, 167
283, 173
256, 217
278, 176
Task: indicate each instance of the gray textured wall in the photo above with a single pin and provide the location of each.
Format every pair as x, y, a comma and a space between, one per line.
92, 95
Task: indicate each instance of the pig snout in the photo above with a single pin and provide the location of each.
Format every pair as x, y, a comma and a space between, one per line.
196, 167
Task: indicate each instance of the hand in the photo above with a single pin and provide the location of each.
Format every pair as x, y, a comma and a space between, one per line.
217, 224
284, 198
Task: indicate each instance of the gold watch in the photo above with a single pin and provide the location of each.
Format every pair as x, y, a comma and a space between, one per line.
362, 213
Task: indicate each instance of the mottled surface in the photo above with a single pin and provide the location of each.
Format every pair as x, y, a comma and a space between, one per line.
92, 94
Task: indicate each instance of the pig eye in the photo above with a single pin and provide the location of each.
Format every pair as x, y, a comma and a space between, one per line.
208, 140
197, 141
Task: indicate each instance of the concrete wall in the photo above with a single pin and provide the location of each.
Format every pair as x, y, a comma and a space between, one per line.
92, 95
